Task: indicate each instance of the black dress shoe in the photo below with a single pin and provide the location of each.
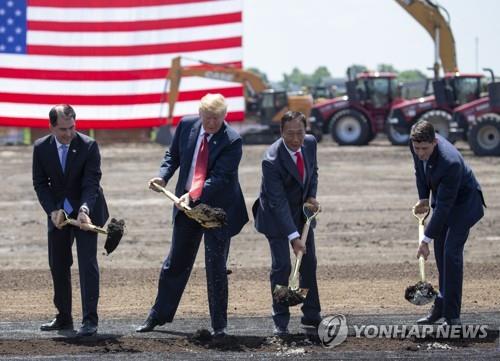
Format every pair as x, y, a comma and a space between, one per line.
57, 324
306, 322
452, 322
148, 325
280, 331
88, 329
432, 317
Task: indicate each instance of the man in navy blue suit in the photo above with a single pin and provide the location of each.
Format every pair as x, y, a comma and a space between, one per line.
207, 152
66, 175
289, 179
457, 203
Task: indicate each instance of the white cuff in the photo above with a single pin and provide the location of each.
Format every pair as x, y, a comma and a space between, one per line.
426, 239
293, 235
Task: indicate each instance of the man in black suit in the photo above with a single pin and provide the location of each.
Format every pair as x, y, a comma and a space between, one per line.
289, 179
207, 152
457, 203
66, 175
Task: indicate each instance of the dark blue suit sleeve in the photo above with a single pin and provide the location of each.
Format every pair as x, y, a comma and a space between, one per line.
91, 176
446, 196
41, 184
276, 196
171, 160
313, 188
224, 171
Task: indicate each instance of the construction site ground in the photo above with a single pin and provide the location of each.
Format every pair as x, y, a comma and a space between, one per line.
366, 241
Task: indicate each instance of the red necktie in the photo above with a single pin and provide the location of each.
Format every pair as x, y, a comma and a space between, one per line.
200, 169
300, 165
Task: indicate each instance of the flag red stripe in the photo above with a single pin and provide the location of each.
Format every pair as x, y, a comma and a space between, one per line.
34, 25
107, 3
91, 75
154, 98
136, 49
106, 123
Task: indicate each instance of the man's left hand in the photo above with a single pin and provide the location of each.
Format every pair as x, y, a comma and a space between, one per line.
84, 220
183, 201
314, 204
423, 250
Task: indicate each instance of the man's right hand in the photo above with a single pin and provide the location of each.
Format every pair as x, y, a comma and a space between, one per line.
421, 207
297, 246
57, 218
156, 180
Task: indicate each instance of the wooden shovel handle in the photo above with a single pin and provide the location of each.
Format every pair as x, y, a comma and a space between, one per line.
170, 195
93, 228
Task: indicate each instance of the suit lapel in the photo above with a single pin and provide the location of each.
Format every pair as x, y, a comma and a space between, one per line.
431, 165
289, 163
214, 144
307, 165
54, 154
191, 141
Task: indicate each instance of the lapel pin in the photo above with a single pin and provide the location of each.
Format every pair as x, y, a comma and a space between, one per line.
215, 142
73, 150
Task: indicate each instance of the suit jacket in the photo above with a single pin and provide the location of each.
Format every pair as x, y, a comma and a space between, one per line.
79, 183
222, 188
278, 210
457, 199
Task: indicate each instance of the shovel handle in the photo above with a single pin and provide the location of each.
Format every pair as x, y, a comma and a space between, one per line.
421, 266
170, 195
298, 260
93, 228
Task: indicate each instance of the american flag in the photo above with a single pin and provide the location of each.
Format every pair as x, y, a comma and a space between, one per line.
109, 58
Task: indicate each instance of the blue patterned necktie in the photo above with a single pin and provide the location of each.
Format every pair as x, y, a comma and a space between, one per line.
64, 156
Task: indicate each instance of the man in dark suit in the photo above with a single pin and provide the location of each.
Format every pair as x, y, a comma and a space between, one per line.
207, 152
66, 175
457, 203
289, 179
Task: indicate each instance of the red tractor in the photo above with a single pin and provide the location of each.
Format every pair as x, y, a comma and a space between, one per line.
356, 118
453, 90
479, 122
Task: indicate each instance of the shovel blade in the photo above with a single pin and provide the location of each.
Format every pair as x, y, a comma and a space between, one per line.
420, 294
287, 296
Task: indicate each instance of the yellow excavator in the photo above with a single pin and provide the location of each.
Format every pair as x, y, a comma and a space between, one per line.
269, 105
428, 14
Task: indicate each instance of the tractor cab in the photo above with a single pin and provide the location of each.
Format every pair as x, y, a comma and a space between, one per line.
373, 90
456, 89
272, 102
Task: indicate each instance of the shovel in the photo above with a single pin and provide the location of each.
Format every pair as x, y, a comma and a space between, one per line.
422, 292
114, 231
206, 216
292, 294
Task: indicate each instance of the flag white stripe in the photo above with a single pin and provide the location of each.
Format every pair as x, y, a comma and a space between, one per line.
46, 62
39, 111
54, 87
131, 38
133, 14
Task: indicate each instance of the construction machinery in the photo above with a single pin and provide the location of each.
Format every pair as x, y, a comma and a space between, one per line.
355, 119
478, 121
269, 104
451, 91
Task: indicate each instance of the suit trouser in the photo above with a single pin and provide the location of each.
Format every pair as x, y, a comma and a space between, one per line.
60, 261
280, 272
449, 253
178, 265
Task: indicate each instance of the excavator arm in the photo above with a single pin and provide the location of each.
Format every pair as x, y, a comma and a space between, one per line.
427, 13
252, 81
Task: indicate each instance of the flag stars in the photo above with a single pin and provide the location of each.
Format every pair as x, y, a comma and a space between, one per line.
18, 30
10, 21
18, 49
18, 12
2, 29
2, 11
10, 39
2, 47
10, 3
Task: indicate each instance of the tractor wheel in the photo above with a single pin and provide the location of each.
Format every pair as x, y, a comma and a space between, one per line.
440, 120
350, 127
484, 135
396, 137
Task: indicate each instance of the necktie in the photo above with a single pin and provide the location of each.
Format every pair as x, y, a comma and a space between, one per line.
64, 156
200, 169
300, 165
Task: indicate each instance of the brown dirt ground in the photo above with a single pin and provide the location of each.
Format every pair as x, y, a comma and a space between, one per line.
366, 237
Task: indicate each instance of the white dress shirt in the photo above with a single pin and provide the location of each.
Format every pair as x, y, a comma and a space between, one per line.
190, 177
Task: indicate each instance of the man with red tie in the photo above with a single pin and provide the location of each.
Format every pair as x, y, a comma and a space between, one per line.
290, 179
207, 152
